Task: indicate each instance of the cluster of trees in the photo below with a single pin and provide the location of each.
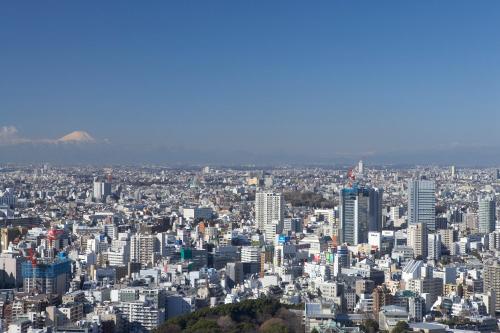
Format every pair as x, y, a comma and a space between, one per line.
401, 327
263, 315
309, 199
371, 326
456, 321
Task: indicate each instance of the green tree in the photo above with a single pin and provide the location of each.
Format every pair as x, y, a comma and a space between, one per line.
274, 325
370, 326
401, 327
204, 326
166, 328
244, 317
445, 260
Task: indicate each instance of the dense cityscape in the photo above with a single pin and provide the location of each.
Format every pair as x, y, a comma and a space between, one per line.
359, 249
237, 166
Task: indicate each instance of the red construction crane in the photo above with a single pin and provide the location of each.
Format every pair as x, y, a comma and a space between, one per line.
351, 177
32, 257
54, 234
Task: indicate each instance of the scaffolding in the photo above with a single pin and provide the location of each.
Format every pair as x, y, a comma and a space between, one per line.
48, 270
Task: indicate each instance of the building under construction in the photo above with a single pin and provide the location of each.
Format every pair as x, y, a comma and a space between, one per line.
47, 276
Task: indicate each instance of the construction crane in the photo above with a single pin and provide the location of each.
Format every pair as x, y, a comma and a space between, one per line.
53, 235
109, 174
32, 257
351, 177
34, 262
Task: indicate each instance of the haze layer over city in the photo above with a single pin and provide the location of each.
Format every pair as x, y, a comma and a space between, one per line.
249, 166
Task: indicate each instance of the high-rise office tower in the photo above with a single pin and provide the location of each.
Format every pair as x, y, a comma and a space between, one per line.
375, 209
434, 246
341, 260
487, 215
102, 188
269, 213
417, 239
97, 189
491, 277
422, 203
453, 171
360, 211
234, 272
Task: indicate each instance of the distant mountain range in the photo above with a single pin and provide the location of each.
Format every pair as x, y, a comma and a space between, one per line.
79, 147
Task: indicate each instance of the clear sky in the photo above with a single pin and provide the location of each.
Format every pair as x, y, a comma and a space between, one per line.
313, 78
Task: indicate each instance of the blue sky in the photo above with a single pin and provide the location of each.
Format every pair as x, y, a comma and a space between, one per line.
291, 77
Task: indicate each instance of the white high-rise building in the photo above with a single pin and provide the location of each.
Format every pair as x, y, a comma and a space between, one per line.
422, 203
487, 215
269, 213
491, 276
417, 239
434, 246
361, 167
142, 315
494, 240
272, 229
250, 254
142, 249
396, 212
118, 258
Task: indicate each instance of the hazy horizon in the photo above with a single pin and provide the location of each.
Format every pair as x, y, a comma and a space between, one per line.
234, 82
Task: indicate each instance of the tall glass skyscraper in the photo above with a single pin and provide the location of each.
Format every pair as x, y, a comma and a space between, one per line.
422, 203
360, 211
487, 215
